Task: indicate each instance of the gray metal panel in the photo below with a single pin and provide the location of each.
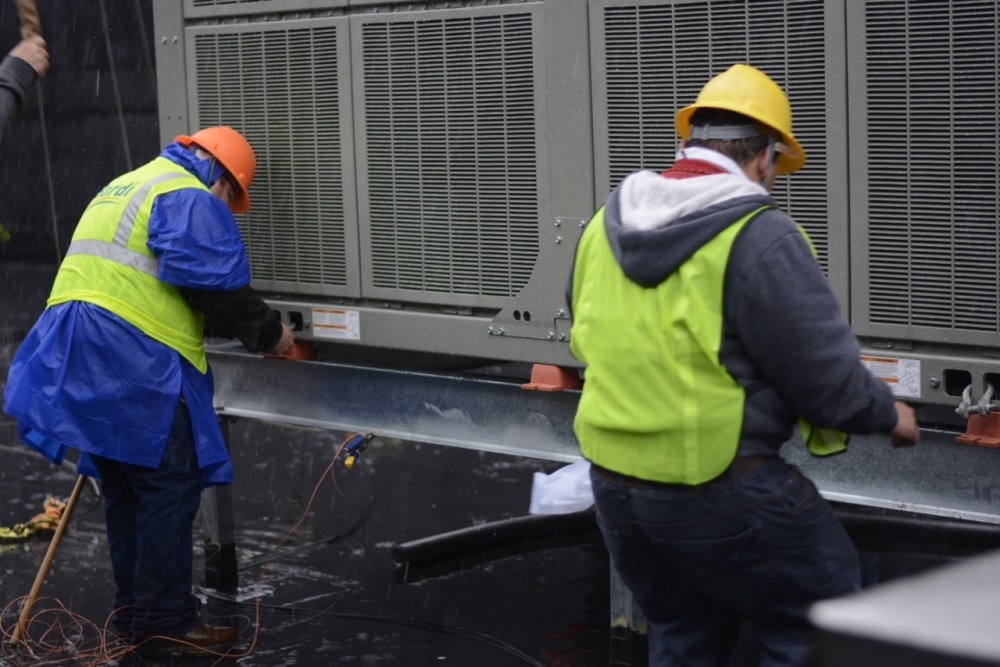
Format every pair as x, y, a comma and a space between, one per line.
651, 57
454, 333
926, 166
171, 73
448, 137
539, 310
285, 85
943, 616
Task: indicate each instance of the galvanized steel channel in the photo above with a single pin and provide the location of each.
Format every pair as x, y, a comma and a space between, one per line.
938, 477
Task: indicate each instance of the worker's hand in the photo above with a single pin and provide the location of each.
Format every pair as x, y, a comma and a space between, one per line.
907, 431
32, 51
286, 340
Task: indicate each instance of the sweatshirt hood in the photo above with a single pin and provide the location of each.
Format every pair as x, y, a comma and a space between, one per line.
206, 171
654, 224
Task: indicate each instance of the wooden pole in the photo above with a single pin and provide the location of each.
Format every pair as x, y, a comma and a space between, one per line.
47, 561
30, 23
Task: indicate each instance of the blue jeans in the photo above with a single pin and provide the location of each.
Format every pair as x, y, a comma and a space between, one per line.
699, 560
150, 515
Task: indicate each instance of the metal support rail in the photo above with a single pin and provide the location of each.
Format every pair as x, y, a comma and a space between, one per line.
489, 415
938, 477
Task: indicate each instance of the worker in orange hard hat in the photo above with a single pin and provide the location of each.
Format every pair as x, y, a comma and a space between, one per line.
115, 367
709, 333
234, 154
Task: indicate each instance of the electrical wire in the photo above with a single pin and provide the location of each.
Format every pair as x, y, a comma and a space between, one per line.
353, 528
459, 631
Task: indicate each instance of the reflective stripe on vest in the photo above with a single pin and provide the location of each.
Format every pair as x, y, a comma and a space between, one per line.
110, 265
117, 250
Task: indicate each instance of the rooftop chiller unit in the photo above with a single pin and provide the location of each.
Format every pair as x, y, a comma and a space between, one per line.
425, 168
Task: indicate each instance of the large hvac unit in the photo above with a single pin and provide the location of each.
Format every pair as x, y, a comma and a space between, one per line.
426, 168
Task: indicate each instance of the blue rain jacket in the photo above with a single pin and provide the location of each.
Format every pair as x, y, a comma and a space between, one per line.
87, 379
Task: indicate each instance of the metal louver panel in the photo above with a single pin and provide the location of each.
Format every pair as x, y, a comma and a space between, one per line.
278, 84
659, 55
933, 112
450, 147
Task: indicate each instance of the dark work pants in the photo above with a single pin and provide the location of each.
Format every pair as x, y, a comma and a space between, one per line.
698, 560
150, 514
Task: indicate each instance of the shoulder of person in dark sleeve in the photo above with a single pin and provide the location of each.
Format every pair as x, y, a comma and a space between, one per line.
200, 251
16, 79
786, 315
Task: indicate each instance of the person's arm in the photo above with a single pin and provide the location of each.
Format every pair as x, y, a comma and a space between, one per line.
26, 63
201, 253
243, 315
790, 324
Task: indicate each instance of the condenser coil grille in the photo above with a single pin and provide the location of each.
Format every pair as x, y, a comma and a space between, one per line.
452, 169
658, 56
279, 87
933, 167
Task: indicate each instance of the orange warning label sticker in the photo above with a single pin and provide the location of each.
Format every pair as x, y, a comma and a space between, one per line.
336, 323
902, 375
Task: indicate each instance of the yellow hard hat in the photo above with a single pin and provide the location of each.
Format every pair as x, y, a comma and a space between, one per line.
748, 91
235, 155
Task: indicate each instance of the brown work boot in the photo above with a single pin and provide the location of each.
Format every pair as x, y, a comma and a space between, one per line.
209, 639
203, 640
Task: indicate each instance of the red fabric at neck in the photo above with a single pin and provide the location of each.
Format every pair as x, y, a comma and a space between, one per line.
689, 168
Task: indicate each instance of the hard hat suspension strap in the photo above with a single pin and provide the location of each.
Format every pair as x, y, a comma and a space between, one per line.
724, 132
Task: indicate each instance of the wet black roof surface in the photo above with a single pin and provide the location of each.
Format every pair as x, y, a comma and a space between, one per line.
332, 592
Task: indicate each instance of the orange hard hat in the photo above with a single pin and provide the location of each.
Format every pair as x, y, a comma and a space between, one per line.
235, 155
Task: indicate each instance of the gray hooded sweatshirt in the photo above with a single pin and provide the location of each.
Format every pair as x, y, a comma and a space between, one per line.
785, 340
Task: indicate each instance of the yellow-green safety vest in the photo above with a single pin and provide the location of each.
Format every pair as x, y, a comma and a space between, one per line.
108, 263
657, 403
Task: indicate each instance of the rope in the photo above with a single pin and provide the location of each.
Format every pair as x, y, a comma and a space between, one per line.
114, 82
48, 170
145, 47
28, 13
31, 25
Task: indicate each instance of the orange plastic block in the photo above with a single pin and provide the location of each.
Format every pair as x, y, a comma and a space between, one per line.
301, 350
545, 377
982, 431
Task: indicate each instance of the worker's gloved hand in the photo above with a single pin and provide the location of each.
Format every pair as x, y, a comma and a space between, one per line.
286, 340
32, 51
907, 431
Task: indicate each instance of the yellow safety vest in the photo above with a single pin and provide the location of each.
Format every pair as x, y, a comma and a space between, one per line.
657, 403
108, 263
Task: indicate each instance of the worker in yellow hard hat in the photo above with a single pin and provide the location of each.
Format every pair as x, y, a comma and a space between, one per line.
709, 332
115, 367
